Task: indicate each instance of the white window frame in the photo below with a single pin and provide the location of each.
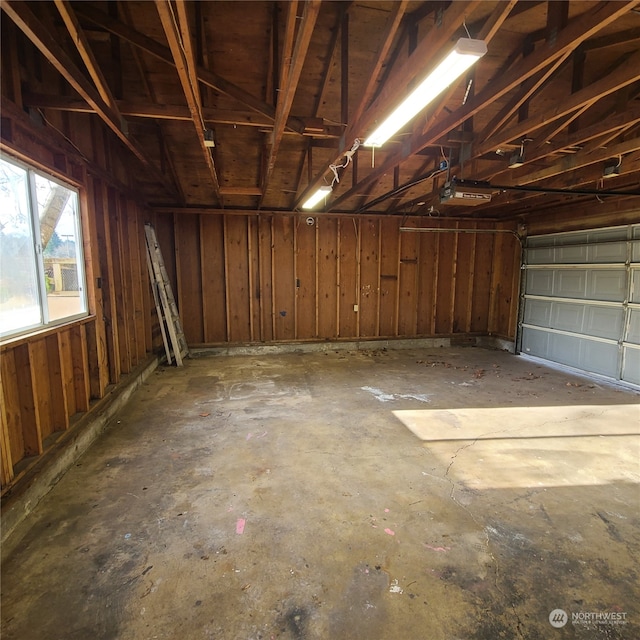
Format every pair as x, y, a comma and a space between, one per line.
38, 252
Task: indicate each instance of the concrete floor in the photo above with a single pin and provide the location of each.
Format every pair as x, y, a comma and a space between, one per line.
454, 494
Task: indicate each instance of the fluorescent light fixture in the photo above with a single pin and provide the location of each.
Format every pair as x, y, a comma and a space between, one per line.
321, 193
464, 54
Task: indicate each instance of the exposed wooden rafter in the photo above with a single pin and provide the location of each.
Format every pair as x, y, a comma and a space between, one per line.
45, 41
163, 53
568, 39
453, 19
290, 75
179, 39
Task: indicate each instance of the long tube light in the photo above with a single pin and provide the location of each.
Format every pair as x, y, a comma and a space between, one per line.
313, 200
464, 54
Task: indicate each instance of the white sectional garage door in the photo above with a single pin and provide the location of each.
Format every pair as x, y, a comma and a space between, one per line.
581, 301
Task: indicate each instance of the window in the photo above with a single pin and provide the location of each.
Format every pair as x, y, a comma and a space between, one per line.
41, 264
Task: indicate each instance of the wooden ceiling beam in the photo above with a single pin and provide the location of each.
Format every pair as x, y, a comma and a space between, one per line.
82, 45
576, 32
603, 131
593, 154
179, 40
150, 46
313, 128
45, 42
625, 74
429, 47
393, 24
291, 70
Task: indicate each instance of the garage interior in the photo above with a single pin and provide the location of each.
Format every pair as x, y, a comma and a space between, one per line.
407, 411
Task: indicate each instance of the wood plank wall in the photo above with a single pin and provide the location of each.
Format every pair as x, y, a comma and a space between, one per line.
274, 278
51, 377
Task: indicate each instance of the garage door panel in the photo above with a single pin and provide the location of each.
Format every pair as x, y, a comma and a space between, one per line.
567, 316
544, 255
570, 255
604, 322
631, 365
612, 252
607, 284
599, 357
633, 330
538, 312
535, 342
565, 349
540, 282
575, 307
570, 283
635, 285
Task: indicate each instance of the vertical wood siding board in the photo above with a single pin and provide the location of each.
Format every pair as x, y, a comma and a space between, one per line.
79, 362
436, 274
6, 460
41, 385
388, 267
250, 261
118, 318
108, 296
66, 373
238, 280
358, 231
255, 279
31, 414
128, 280
188, 271
95, 388
147, 303
305, 280
129, 271
398, 264
317, 277
57, 387
348, 278
446, 245
136, 281
369, 277
494, 284
454, 280
482, 281
286, 277
327, 266
471, 280
214, 278
338, 274
12, 405
463, 257
260, 278
416, 285
378, 283
426, 283
407, 267
295, 277
90, 246
203, 277
272, 238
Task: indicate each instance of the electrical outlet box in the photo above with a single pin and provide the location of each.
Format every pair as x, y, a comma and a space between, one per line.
355, 307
